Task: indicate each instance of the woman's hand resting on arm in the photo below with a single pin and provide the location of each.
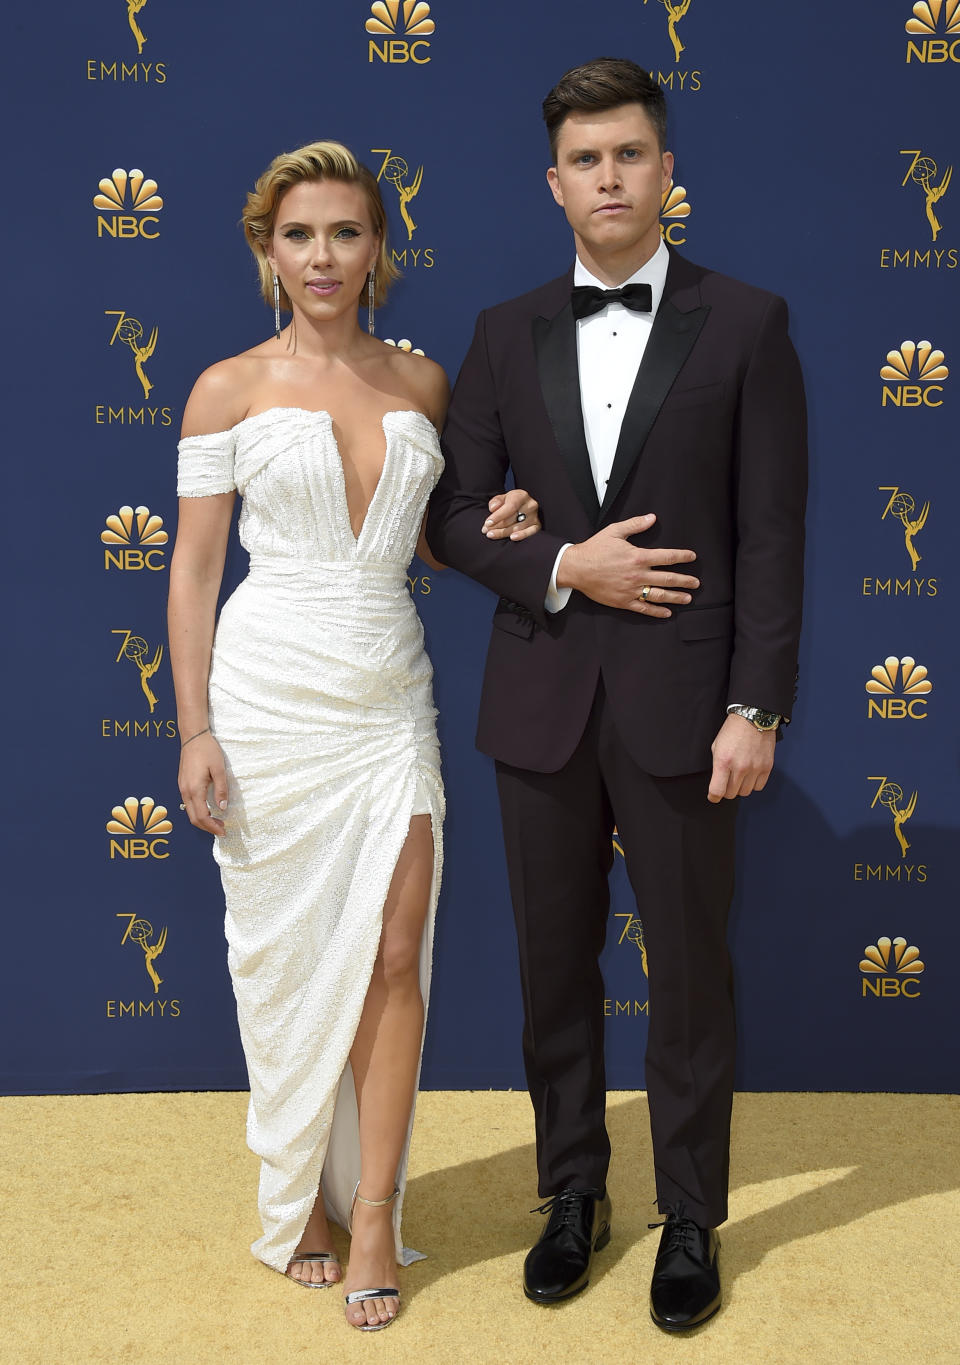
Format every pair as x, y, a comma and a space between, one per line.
513, 516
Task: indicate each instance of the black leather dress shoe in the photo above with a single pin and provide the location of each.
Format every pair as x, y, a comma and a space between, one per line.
559, 1265
685, 1290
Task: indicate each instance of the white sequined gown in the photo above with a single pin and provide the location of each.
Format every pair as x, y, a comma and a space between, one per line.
320, 696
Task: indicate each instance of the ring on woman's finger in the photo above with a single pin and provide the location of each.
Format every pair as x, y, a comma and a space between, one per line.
645, 591
521, 516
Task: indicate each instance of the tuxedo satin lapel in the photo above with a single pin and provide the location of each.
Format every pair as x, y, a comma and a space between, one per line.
555, 344
672, 338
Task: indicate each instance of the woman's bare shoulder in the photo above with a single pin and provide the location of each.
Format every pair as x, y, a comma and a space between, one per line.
220, 397
424, 382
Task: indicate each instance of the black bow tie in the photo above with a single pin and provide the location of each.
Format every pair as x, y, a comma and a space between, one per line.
587, 298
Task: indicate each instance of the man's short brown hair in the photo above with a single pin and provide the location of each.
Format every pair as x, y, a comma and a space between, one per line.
604, 84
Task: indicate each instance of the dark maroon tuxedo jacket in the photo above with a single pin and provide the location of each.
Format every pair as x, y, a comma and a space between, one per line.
713, 441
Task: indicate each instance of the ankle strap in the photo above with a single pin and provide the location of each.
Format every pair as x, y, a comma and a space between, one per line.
377, 1203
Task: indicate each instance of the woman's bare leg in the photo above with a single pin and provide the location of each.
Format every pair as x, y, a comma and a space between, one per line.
384, 1058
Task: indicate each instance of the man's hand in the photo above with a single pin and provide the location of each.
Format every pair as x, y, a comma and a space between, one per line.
742, 759
609, 570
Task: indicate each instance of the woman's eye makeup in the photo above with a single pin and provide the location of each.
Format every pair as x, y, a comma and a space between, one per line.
299, 234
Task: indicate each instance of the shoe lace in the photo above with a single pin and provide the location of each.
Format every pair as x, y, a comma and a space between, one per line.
566, 1205
681, 1230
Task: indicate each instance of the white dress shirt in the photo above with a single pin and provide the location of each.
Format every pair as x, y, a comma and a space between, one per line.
610, 346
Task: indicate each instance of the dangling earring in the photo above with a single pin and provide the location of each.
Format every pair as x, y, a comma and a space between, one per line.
371, 292
276, 305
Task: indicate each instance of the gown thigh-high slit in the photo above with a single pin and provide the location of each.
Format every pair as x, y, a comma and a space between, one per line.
320, 696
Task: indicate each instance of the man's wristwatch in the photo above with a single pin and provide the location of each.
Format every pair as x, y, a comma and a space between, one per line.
763, 720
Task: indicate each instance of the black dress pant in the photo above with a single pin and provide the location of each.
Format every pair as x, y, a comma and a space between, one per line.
679, 852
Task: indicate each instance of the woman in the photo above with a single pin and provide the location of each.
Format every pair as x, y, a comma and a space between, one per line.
309, 748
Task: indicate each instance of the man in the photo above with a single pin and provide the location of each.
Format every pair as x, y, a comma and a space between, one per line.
642, 659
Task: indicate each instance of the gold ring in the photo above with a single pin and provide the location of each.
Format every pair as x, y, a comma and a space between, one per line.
645, 591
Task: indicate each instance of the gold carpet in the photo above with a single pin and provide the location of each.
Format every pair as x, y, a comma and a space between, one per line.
127, 1220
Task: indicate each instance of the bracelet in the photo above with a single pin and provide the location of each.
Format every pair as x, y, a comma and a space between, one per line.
196, 736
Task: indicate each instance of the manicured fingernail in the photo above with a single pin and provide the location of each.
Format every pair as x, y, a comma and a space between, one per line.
223, 805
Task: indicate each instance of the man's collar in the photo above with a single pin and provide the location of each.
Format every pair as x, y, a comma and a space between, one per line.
652, 272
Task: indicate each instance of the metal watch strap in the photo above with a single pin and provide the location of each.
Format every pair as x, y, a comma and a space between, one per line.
764, 721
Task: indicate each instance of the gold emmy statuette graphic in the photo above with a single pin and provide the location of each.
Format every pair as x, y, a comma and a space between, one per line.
141, 931
890, 795
385, 17
923, 171
926, 17
902, 506
633, 933
675, 13
395, 170
136, 649
403, 345
906, 960
120, 528
130, 330
143, 192
133, 9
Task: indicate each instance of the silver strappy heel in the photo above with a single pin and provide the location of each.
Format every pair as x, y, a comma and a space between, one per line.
360, 1295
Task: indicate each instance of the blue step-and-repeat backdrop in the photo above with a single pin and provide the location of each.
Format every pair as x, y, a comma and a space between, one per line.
815, 146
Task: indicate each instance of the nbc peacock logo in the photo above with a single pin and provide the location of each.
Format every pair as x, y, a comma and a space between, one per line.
674, 212
398, 32
133, 537
131, 191
889, 969
917, 371
898, 689
933, 32
138, 829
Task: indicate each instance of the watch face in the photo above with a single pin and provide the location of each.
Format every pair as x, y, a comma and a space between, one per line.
766, 720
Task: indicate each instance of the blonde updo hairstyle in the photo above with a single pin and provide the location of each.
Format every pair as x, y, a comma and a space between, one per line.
315, 161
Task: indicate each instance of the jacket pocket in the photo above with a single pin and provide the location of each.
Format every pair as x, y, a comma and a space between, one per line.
705, 623
692, 398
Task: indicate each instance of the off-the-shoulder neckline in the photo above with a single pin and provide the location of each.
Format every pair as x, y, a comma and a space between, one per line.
306, 412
